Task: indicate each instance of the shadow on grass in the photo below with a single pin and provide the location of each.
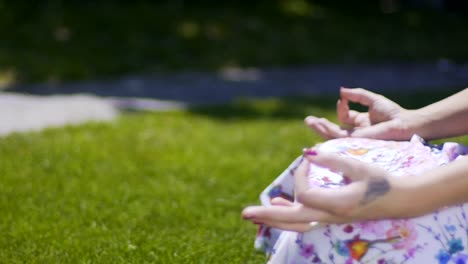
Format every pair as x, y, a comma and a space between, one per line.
272, 108
300, 107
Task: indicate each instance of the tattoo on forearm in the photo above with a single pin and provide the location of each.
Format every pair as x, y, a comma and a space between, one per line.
375, 189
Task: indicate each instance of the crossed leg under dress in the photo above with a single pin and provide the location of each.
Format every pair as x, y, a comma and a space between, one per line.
439, 237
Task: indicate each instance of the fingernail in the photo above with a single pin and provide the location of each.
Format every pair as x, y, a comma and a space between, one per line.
310, 152
346, 180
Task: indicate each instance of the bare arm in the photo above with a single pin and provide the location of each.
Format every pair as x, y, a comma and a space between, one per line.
443, 186
389, 121
446, 118
373, 194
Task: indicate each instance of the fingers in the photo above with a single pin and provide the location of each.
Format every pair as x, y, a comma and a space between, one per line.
359, 95
318, 127
342, 110
301, 182
334, 130
295, 218
345, 200
384, 130
289, 214
325, 128
281, 202
357, 119
350, 167
297, 227
342, 201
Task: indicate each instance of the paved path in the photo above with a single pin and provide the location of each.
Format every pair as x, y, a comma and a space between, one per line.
161, 92
24, 112
202, 88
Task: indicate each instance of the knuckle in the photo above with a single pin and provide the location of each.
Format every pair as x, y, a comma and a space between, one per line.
379, 98
359, 89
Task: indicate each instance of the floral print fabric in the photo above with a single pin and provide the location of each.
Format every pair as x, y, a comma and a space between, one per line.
440, 237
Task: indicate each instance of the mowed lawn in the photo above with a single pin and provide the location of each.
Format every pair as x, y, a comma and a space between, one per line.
148, 187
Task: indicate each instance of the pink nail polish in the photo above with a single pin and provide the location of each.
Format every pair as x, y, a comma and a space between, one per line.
346, 180
310, 152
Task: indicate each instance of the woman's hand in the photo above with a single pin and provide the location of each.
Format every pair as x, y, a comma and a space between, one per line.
384, 120
371, 194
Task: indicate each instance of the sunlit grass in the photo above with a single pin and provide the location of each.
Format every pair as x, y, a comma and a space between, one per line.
148, 187
154, 187
7, 78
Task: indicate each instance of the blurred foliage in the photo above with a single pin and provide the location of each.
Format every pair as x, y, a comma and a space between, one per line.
66, 40
287, 108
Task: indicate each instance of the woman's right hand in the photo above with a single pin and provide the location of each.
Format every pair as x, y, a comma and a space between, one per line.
385, 119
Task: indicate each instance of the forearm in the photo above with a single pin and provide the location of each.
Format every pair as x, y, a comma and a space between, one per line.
444, 186
446, 118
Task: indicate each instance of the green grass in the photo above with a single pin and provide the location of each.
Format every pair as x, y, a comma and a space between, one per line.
148, 187
66, 40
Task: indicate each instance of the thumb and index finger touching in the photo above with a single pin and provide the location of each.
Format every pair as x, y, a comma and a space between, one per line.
340, 200
364, 97
355, 95
327, 129
358, 95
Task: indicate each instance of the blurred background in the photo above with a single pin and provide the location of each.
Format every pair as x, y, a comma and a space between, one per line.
230, 83
56, 41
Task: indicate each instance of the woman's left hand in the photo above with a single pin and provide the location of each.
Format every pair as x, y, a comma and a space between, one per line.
372, 194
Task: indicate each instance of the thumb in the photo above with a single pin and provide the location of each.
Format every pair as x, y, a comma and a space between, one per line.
348, 166
388, 130
341, 201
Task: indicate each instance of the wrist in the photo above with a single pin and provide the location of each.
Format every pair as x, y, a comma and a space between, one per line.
410, 196
405, 199
416, 122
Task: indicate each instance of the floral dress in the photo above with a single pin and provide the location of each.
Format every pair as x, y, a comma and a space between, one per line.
440, 237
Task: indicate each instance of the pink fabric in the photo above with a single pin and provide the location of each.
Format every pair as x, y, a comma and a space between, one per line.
440, 237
